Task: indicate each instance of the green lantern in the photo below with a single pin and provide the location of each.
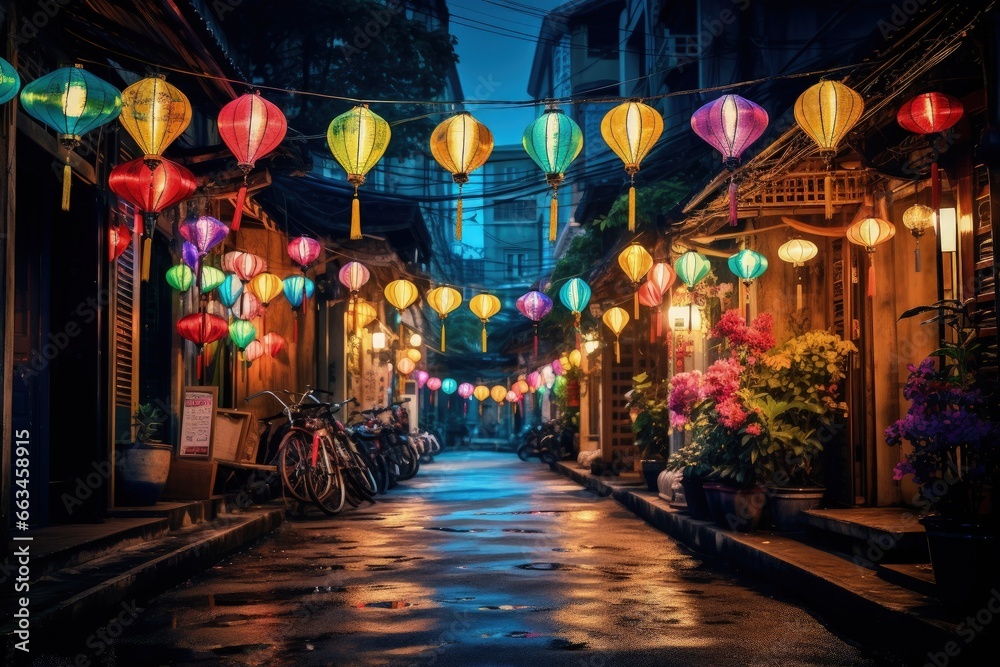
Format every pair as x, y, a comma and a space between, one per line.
211, 278
72, 102
748, 265
692, 267
242, 333
180, 277
10, 82
553, 141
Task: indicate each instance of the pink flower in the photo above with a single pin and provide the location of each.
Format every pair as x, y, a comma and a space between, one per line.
731, 413
753, 429
686, 390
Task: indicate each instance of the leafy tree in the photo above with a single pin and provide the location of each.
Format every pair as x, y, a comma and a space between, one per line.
651, 203
351, 48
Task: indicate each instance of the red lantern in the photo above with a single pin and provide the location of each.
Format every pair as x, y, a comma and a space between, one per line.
251, 127
274, 344
651, 297
201, 329
118, 239
151, 191
931, 113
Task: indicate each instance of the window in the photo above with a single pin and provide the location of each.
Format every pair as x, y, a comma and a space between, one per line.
515, 265
509, 210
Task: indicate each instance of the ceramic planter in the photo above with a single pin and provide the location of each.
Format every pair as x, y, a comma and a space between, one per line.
964, 556
741, 508
787, 504
651, 468
141, 471
697, 502
714, 500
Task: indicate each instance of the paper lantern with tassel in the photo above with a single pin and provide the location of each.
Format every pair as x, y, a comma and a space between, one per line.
274, 343
248, 266
662, 275
266, 287
180, 277
826, 112
154, 113
421, 377
401, 294
254, 351
364, 314
521, 387
405, 366
251, 127
247, 306
484, 306
304, 250
650, 296
748, 265
616, 318
553, 141
298, 290
797, 252
918, 219
691, 268
242, 333
870, 232
636, 263
434, 383
204, 233
575, 295
448, 386
71, 101
730, 124
534, 380
10, 82
358, 139
461, 144
927, 114
534, 305
631, 129
202, 329
465, 390
443, 300
353, 276
150, 191
119, 238
211, 278
229, 290
481, 393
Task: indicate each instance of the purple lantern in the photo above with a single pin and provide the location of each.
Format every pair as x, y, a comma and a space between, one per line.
204, 233
534, 306
730, 124
422, 377
189, 255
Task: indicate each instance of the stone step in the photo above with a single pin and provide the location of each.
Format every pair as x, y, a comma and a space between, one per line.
917, 577
871, 535
178, 513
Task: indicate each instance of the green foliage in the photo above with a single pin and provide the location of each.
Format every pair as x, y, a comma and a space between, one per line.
650, 202
147, 420
350, 48
647, 401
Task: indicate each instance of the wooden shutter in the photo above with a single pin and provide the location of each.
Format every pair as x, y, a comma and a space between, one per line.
126, 322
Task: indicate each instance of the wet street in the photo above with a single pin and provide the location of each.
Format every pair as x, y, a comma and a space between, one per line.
479, 560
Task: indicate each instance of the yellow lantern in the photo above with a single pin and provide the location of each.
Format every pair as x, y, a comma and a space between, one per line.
484, 306
575, 358
826, 112
401, 294
154, 113
565, 362
481, 392
631, 129
461, 144
797, 252
266, 286
636, 263
358, 139
364, 314
870, 232
405, 366
498, 393
616, 318
413, 355
443, 300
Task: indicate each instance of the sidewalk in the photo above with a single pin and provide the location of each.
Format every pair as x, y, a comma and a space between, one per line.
854, 600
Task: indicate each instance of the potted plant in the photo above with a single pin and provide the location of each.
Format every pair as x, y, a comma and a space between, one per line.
690, 462
796, 409
647, 405
955, 460
142, 462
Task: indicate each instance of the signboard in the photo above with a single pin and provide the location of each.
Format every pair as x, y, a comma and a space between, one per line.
197, 422
230, 433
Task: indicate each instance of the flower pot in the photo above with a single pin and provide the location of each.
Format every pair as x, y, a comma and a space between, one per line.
788, 503
697, 503
964, 556
141, 471
742, 508
651, 468
666, 485
714, 501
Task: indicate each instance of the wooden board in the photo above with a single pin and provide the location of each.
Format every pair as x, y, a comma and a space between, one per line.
230, 433
197, 422
190, 480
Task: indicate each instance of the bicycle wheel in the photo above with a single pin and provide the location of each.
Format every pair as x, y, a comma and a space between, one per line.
409, 461
524, 451
324, 481
358, 465
292, 464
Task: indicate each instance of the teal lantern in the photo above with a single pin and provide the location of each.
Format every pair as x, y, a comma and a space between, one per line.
553, 141
211, 278
297, 289
230, 289
448, 385
10, 82
691, 268
71, 101
748, 265
242, 333
575, 295
180, 277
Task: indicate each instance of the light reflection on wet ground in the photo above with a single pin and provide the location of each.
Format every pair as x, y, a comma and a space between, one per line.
479, 560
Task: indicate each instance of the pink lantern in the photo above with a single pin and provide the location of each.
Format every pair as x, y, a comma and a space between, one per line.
228, 260
730, 124
465, 390
248, 265
662, 275
557, 367
513, 396
274, 344
353, 276
422, 377
304, 251
247, 306
534, 306
433, 383
534, 380
651, 297
254, 351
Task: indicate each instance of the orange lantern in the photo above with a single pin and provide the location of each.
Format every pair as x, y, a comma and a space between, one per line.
405, 366
870, 232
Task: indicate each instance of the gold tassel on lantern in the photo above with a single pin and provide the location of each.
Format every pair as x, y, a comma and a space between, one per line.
458, 221
355, 217
484, 338
635, 303
67, 183
147, 247
828, 196
618, 356
631, 208
553, 218
443, 348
